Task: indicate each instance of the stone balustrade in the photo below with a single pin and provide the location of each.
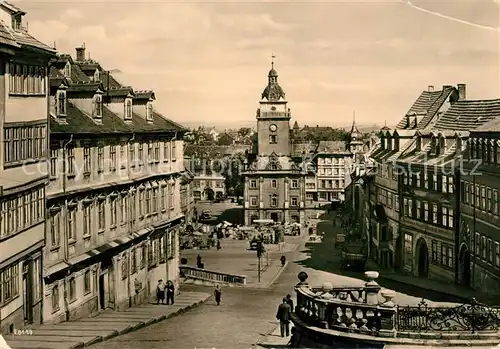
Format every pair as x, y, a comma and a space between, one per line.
370, 313
211, 276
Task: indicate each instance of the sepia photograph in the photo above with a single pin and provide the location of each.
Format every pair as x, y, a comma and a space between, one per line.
249, 174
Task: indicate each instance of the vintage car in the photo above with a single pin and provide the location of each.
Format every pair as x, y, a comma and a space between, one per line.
354, 256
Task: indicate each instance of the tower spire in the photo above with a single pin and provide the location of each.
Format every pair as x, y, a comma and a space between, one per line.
272, 61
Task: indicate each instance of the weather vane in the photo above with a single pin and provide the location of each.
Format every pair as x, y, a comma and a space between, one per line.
272, 60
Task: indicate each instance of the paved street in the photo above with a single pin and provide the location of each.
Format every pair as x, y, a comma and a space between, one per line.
222, 211
245, 315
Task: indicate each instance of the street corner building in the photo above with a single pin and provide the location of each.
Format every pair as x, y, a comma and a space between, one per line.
274, 178
23, 117
114, 205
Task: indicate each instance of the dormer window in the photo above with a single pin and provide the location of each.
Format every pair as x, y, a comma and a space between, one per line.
97, 76
128, 109
149, 111
61, 103
67, 70
389, 143
97, 108
17, 22
396, 142
440, 145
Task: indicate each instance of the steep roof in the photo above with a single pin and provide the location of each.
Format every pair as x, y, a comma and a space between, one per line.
425, 107
491, 126
78, 122
469, 114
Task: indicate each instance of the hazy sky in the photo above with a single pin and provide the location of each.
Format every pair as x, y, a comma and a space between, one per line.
208, 61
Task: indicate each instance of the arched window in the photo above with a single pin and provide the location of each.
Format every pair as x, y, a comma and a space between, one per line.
55, 298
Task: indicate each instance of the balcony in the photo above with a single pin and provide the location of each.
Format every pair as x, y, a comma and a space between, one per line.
274, 114
368, 317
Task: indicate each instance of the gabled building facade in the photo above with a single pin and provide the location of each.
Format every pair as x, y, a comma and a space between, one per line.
386, 244
274, 181
114, 197
23, 170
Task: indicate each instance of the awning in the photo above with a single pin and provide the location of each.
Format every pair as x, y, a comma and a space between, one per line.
55, 269
379, 214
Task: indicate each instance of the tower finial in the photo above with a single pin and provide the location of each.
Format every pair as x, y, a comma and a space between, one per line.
272, 61
353, 117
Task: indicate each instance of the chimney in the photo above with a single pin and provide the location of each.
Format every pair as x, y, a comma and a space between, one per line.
446, 86
461, 92
80, 53
430, 88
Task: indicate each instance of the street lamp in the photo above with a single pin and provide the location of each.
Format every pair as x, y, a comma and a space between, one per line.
108, 72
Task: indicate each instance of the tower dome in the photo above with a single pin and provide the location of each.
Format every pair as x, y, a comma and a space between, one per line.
273, 91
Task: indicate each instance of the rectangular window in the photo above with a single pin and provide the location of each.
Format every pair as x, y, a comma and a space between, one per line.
112, 158
478, 244
100, 158
396, 203
451, 218
389, 199
434, 251
157, 151
171, 198
140, 154
53, 163
426, 180
466, 193
166, 151
490, 251
426, 212
101, 215
483, 198
114, 212
86, 282
55, 298
410, 208
274, 201
86, 160
24, 143
495, 201
418, 210
72, 289
295, 184
71, 222
150, 151
497, 254
253, 201
148, 202
54, 229
9, 282
70, 171
154, 201
484, 248
164, 197
489, 199
273, 139
435, 214
253, 184
123, 209
133, 261
174, 150
86, 219
274, 183
434, 182
444, 216
141, 203
294, 201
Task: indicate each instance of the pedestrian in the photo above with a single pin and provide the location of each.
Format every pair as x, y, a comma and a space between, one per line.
218, 245
283, 261
284, 315
170, 290
198, 261
289, 301
217, 294
160, 292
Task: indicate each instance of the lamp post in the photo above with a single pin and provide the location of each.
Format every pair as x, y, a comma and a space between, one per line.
108, 73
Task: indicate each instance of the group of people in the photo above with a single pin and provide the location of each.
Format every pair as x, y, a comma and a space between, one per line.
165, 291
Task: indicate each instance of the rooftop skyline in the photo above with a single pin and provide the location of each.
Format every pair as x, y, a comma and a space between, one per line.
208, 62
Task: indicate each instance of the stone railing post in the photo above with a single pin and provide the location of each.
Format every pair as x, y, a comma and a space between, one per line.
387, 310
372, 288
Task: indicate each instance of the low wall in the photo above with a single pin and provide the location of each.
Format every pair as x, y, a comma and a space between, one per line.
367, 315
210, 275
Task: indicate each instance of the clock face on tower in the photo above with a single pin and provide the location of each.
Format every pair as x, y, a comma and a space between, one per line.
273, 108
273, 128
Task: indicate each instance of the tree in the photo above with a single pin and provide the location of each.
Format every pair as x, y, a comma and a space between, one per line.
232, 174
244, 131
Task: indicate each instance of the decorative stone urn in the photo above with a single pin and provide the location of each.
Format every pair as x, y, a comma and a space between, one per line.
302, 276
371, 276
388, 295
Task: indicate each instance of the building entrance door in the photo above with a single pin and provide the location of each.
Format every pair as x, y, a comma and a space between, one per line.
275, 216
27, 293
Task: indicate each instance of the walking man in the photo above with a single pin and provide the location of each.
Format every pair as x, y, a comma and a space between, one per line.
284, 315
289, 301
160, 292
170, 292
